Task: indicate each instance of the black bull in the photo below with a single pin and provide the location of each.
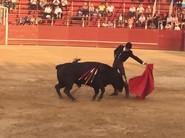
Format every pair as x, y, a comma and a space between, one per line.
94, 74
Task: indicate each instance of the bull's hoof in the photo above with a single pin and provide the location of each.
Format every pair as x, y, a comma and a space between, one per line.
79, 85
57, 88
127, 95
74, 100
114, 94
93, 99
99, 99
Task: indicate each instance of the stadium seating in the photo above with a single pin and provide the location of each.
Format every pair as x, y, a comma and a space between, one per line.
22, 10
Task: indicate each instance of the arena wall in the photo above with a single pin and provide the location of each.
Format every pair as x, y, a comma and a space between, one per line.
2, 35
96, 37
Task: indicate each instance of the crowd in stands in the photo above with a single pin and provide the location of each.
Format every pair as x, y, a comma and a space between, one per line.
28, 20
105, 14
10, 4
51, 9
137, 16
146, 18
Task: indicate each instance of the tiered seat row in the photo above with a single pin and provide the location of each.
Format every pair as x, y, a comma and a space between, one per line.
75, 12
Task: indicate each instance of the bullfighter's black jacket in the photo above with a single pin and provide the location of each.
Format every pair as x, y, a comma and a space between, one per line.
121, 54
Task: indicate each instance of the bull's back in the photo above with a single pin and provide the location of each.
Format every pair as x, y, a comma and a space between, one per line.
81, 67
73, 71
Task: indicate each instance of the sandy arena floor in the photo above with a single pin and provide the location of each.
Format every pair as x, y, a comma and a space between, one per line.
30, 107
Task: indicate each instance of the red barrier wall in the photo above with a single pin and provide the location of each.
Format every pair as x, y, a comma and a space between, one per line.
93, 36
2, 36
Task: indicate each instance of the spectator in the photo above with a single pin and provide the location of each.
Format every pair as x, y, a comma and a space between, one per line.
140, 9
130, 22
91, 9
148, 10
56, 3
109, 9
164, 19
149, 21
183, 15
178, 4
42, 4
101, 9
14, 2
161, 26
38, 20
177, 28
96, 11
175, 20
32, 20
94, 15
33, 4
23, 20
105, 23
132, 11
28, 20
110, 24
120, 20
156, 18
20, 21
169, 19
85, 9
16, 20
79, 13
64, 4
141, 20
58, 12
48, 12
168, 26
7, 3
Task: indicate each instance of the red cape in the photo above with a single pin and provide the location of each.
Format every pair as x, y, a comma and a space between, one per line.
141, 86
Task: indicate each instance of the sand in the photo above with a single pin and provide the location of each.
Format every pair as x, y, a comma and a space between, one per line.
30, 107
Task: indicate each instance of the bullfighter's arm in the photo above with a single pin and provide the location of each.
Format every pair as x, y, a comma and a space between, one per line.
136, 58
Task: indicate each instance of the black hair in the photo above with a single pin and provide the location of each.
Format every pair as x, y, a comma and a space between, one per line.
128, 45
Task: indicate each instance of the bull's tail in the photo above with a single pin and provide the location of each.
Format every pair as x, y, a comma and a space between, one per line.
58, 66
